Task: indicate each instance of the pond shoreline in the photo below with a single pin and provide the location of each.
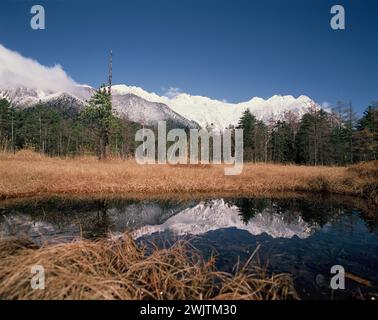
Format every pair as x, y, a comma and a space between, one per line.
352, 201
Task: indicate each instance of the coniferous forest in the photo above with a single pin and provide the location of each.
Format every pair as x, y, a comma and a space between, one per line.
319, 137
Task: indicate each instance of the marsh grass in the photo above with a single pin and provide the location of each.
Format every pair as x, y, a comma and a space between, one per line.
28, 174
121, 269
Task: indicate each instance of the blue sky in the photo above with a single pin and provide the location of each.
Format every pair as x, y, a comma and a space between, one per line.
231, 50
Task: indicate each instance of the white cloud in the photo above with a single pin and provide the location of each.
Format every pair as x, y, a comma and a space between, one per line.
16, 70
171, 92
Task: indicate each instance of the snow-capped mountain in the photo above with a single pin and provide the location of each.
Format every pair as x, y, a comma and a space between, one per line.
219, 114
142, 111
129, 106
23, 97
140, 106
217, 214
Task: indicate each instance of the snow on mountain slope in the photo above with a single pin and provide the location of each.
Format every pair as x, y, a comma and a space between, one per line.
23, 97
209, 112
141, 106
139, 110
130, 106
217, 214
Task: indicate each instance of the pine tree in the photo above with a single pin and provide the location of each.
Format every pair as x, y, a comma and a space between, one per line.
312, 141
97, 116
282, 143
248, 123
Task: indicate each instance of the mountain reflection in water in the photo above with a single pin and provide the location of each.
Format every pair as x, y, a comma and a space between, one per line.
218, 214
302, 237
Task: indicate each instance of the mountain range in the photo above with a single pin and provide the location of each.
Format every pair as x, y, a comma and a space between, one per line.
147, 108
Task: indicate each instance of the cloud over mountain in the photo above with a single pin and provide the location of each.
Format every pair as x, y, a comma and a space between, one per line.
17, 70
172, 92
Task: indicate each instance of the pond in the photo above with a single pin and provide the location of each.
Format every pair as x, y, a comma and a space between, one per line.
299, 236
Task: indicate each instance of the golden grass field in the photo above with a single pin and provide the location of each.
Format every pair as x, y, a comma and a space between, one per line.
119, 269
27, 174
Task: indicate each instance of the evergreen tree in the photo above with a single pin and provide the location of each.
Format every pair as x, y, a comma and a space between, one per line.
312, 141
261, 141
282, 143
99, 119
248, 123
317, 138
366, 135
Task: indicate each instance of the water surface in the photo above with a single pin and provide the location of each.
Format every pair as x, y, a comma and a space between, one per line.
302, 237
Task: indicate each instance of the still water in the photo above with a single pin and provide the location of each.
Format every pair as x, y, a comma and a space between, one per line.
301, 237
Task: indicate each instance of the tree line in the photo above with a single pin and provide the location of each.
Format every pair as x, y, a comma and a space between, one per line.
317, 138
61, 132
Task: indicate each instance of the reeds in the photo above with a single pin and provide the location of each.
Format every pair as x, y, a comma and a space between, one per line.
29, 174
120, 269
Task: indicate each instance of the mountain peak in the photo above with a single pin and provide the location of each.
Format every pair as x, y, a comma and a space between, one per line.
189, 108
221, 114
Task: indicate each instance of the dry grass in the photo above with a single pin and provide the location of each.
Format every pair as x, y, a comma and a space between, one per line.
119, 269
30, 174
